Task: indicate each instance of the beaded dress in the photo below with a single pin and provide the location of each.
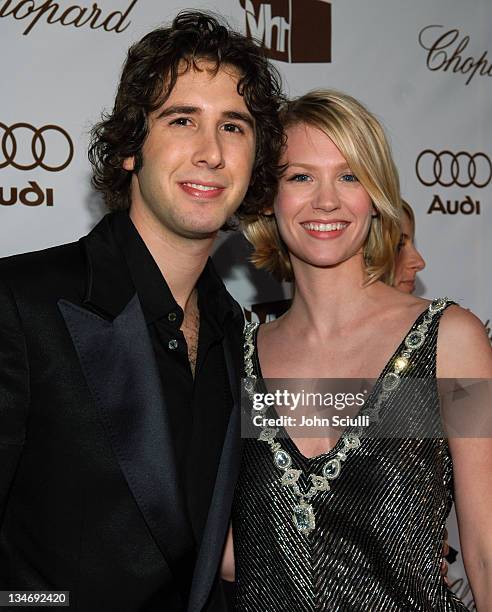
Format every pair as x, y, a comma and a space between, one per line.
377, 542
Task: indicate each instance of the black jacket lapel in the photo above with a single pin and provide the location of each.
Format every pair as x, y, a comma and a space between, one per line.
210, 553
119, 365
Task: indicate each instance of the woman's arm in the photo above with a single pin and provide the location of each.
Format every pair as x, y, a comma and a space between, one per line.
464, 352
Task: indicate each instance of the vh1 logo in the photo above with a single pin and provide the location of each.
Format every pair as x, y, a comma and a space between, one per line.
297, 31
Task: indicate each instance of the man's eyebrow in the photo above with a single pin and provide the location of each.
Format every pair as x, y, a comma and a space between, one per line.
238, 116
178, 110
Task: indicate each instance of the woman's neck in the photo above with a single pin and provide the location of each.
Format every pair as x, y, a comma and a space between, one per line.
329, 299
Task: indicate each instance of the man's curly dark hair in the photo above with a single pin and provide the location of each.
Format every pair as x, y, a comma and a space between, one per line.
148, 77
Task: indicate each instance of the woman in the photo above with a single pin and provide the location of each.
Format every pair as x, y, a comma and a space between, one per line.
408, 260
354, 523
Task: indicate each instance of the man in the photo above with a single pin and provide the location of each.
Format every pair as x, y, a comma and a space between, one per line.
120, 355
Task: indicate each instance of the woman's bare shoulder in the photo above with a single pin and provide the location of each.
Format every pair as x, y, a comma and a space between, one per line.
460, 323
463, 347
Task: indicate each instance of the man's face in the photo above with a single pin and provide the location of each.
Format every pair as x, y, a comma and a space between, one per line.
198, 155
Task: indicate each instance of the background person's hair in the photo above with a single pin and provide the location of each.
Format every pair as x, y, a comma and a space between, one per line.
148, 77
360, 138
408, 210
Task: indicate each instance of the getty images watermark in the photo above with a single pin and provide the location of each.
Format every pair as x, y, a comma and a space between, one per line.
401, 407
303, 402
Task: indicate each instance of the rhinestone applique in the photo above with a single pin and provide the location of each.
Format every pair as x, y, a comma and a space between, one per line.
414, 340
391, 381
332, 469
282, 459
290, 477
304, 517
400, 364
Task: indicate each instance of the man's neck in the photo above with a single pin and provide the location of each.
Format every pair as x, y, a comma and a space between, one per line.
180, 260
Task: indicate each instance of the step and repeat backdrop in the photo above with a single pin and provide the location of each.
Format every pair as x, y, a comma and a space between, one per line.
424, 68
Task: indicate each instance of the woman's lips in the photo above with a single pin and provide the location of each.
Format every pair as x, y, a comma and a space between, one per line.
202, 191
324, 231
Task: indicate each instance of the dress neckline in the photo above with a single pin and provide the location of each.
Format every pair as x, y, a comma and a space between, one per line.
336, 448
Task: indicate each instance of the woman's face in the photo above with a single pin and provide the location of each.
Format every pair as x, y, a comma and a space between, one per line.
408, 261
323, 212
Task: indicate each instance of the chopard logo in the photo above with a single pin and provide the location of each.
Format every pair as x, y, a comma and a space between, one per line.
446, 168
39, 157
445, 52
73, 15
296, 31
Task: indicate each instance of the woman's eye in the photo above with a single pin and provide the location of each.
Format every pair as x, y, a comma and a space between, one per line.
401, 244
299, 178
350, 178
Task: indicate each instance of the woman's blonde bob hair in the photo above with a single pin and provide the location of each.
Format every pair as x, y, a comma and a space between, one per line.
360, 138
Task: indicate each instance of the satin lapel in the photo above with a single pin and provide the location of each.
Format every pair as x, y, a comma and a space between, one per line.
119, 365
220, 509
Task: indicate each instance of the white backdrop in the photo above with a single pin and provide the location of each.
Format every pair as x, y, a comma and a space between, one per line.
423, 68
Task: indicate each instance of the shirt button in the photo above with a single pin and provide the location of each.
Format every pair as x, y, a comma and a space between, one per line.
173, 344
172, 316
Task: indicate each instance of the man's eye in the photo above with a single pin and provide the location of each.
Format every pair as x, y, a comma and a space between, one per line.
350, 178
180, 121
299, 178
232, 127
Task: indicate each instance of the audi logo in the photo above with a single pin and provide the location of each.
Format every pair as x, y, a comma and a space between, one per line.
447, 168
38, 141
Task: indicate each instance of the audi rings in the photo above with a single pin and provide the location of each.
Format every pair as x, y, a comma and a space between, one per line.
10, 149
447, 168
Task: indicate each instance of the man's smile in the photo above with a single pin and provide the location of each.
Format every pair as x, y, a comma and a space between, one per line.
202, 190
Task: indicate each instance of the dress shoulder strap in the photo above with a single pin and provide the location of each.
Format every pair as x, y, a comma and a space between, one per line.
250, 330
419, 346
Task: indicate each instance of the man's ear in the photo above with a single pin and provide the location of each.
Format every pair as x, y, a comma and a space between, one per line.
268, 212
129, 164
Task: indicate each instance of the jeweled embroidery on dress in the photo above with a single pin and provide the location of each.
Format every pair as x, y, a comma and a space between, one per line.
303, 513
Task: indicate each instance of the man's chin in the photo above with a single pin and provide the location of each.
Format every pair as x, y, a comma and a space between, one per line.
206, 232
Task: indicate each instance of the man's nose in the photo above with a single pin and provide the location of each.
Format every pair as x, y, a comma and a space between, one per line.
208, 149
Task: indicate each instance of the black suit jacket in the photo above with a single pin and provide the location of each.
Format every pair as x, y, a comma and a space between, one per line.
89, 499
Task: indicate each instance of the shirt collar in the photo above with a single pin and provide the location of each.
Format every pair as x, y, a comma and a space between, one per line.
154, 293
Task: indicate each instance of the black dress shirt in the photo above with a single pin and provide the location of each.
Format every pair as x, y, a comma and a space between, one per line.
199, 406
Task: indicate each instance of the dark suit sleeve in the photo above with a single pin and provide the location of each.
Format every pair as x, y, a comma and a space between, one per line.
14, 391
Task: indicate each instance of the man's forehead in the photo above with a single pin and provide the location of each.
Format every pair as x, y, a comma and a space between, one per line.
203, 72
197, 85
208, 66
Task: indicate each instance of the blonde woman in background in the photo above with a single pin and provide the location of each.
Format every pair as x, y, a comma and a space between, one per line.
353, 523
408, 260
